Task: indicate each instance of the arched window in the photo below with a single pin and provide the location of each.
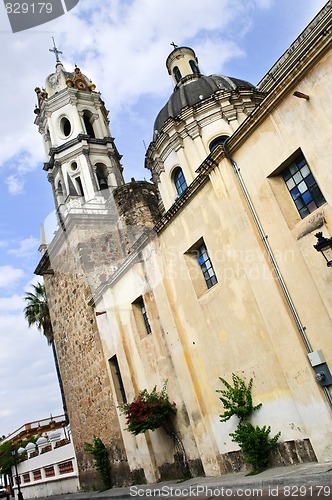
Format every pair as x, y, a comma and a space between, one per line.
60, 190
177, 74
218, 140
79, 186
179, 181
101, 173
194, 67
59, 193
88, 125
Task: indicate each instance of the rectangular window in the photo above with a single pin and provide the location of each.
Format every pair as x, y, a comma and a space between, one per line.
66, 467
302, 186
200, 267
145, 316
117, 380
37, 474
206, 266
49, 471
141, 316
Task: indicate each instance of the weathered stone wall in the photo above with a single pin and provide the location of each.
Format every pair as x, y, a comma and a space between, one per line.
137, 207
80, 262
85, 252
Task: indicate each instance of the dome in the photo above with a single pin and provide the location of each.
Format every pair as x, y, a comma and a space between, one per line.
194, 92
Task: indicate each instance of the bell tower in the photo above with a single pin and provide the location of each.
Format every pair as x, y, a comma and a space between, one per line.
84, 169
83, 163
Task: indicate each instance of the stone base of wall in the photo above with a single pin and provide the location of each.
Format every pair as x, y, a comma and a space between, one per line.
120, 475
137, 476
177, 470
285, 453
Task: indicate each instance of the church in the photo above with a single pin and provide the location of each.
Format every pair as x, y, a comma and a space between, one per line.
217, 266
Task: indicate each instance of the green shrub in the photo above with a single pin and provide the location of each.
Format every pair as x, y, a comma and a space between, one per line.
237, 400
101, 460
255, 444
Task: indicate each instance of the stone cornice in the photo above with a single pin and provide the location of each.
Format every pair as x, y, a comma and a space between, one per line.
319, 28
74, 142
44, 266
289, 70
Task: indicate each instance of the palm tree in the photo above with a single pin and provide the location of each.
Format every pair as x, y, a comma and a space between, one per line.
37, 313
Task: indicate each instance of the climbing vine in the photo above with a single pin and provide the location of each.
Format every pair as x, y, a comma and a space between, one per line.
255, 442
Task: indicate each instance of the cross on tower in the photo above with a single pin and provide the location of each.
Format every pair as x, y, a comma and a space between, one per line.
174, 45
56, 51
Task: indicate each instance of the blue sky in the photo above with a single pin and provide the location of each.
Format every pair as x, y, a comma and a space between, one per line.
122, 46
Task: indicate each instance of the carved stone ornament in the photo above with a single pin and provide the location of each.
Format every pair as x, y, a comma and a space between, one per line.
53, 80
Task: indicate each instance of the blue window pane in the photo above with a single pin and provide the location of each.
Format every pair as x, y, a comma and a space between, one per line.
310, 180
206, 266
299, 203
312, 206
295, 193
302, 186
305, 171
290, 183
180, 181
293, 168
307, 198
297, 178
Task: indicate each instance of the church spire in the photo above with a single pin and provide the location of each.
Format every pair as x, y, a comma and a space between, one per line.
56, 51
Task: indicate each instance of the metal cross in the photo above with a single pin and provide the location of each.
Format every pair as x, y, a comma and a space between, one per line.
174, 45
56, 51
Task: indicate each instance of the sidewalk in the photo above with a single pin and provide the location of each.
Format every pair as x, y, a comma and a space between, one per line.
288, 480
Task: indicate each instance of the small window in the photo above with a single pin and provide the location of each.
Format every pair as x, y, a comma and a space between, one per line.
60, 190
177, 74
206, 266
88, 125
145, 316
101, 173
179, 181
141, 317
194, 67
218, 140
65, 126
302, 186
200, 268
117, 380
79, 186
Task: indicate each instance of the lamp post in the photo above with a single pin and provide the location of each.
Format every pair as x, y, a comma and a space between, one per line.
19, 492
324, 245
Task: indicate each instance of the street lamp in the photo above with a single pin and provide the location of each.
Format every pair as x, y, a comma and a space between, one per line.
19, 492
324, 245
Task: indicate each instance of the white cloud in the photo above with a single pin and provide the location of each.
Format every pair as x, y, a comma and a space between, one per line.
26, 248
15, 184
11, 304
28, 381
10, 275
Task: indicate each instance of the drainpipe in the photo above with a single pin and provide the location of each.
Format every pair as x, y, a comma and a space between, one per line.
264, 237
